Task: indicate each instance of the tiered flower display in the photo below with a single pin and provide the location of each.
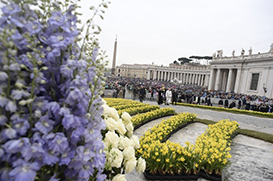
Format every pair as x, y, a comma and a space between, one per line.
50, 100
120, 145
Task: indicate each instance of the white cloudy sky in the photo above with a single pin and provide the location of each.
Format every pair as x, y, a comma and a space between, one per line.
161, 31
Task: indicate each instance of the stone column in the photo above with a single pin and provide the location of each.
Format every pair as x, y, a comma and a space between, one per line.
224, 83
229, 80
148, 74
180, 77
237, 81
199, 79
211, 80
206, 80
165, 76
218, 79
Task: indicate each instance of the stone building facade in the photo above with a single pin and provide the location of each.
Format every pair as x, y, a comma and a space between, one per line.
250, 74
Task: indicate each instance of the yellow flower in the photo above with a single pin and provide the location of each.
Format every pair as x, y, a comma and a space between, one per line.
158, 160
196, 165
167, 160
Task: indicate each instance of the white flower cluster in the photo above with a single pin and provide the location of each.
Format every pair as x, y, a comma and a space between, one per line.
120, 144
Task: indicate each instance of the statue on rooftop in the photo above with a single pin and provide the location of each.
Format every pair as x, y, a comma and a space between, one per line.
242, 52
271, 48
250, 51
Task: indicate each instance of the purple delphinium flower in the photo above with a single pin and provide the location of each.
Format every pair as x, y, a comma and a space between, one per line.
24, 170
9, 133
11, 106
66, 157
53, 108
11, 9
18, 94
34, 151
50, 158
3, 76
4, 174
3, 120
57, 142
101, 177
86, 171
21, 126
33, 27
45, 124
84, 153
14, 146
70, 121
3, 101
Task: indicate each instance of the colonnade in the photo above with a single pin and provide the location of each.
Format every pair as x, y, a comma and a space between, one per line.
184, 77
224, 79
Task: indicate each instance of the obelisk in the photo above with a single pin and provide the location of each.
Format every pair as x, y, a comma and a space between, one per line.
114, 59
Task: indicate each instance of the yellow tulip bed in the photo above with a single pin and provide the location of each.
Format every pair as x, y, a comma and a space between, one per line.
210, 153
112, 102
140, 109
241, 111
139, 119
131, 105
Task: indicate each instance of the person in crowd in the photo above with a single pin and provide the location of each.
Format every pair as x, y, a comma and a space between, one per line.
160, 96
239, 103
142, 93
226, 103
232, 105
168, 96
152, 94
221, 102
244, 102
198, 99
123, 92
174, 96
247, 105
209, 101
135, 93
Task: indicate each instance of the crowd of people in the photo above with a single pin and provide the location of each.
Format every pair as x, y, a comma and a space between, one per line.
171, 93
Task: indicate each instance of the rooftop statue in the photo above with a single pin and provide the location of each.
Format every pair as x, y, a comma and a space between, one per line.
242, 52
250, 51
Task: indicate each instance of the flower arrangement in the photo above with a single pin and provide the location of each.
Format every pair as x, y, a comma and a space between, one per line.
50, 89
211, 151
120, 145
